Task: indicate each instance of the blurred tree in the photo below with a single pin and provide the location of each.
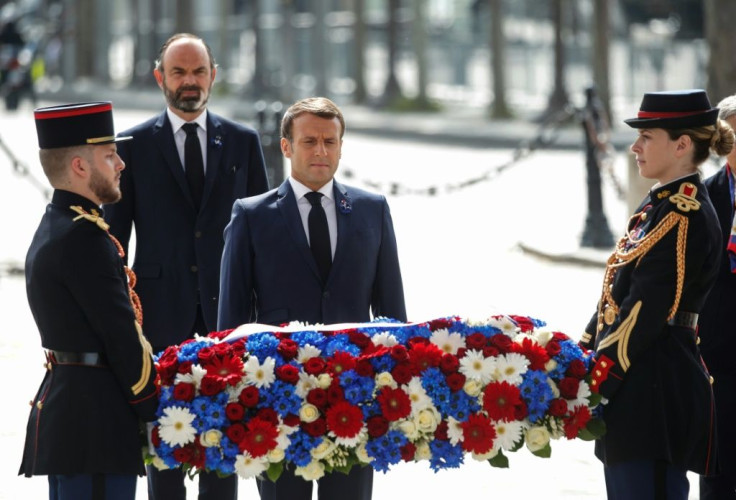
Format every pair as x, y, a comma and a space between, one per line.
184, 20
419, 43
360, 94
719, 18
84, 39
558, 100
392, 90
145, 49
601, 33
497, 50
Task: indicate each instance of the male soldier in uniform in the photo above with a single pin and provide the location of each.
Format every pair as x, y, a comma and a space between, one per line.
85, 421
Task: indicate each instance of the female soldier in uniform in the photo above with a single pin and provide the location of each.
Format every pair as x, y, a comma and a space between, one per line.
659, 403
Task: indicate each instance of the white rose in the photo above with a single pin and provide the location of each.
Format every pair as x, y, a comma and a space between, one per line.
423, 451
159, 463
427, 420
362, 454
537, 438
313, 470
550, 365
385, 379
308, 413
324, 380
472, 387
210, 438
409, 428
544, 337
323, 450
276, 455
482, 457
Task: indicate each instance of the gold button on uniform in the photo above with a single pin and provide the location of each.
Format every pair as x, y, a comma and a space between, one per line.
39, 405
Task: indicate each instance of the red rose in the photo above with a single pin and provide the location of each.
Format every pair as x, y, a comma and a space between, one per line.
184, 391
235, 432
440, 432
335, 394
553, 347
155, 437
291, 420
402, 373
475, 341
399, 353
211, 385
524, 323
288, 349
569, 387
437, 324
461, 352
576, 369
314, 366
364, 368
184, 455
490, 351
558, 407
185, 367
168, 365
239, 348
317, 397
234, 411
288, 373
269, 415
359, 339
408, 451
455, 381
449, 363
377, 426
249, 396
520, 411
317, 428
502, 342
206, 354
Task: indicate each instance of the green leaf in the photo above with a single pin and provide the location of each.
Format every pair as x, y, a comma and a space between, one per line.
545, 452
274, 471
500, 461
595, 429
345, 469
594, 399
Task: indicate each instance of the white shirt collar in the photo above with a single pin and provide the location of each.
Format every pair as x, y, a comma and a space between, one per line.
300, 189
177, 122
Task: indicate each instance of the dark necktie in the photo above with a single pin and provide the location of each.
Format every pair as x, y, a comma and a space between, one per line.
193, 165
319, 234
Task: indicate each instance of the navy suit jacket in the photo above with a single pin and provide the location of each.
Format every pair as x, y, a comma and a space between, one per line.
269, 276
177, 249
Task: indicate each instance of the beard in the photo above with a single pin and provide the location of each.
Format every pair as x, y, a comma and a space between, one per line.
106, 191
187, 104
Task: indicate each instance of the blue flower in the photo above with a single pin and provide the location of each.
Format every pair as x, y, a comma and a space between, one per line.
445, 455
386, 450
301, 445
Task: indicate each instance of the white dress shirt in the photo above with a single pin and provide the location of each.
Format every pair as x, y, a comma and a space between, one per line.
328, 204
180, 136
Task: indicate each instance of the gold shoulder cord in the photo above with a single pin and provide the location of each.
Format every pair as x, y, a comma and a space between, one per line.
608, 310
135, 301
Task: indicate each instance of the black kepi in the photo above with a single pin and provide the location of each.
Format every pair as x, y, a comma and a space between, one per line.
86, 123
677, 109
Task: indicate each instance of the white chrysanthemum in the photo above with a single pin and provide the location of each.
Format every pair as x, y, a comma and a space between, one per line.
446, 341
305, 384
511, 367
351, 442
176, 426
191, 378
582, 397
306, 352
508, 433
505, 324
417, 395
313, 470
385, 339
247, 466
454, 431
475, 366
260, 375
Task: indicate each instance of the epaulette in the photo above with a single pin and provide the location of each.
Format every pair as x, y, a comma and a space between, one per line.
92, 217
684, 199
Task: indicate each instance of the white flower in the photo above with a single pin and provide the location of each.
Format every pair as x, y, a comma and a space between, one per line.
246, 466
409, 428
454, 431
507, 434
176, 426
385, 379
543, 337
384, 339
482, 457
351, 442
191, 378
260, 375
305, 384
537, 438
324, 379
362, 454
313, 470
210, 438
581, 398
306, 352
550, 365
308, 413
424, 452
159, 463
511, 367
473, 387
446, 341
475, 366
417, 395
323, 449
275, 455
505, 324
427, 420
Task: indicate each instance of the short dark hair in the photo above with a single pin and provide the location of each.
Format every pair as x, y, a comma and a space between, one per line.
320, 106
179, 36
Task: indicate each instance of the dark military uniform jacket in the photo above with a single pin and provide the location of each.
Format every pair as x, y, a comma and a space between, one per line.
86, 415
648, 366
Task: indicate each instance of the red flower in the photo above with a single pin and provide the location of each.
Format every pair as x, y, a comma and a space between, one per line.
569, 387
269, 415
221, 334
500, 400
185, 367
576, 369
335, 394
288, 349
475, 341
317, 397
423, 356
449, 363
502, 342
478, 433
235, 432
455, 381
577, 420
292, 420
490, 351
229, 369
314, 366
249, 396
287, 373
402, 373
234, 411
168, 365
364, 368
344, 420
524, 323
260, 437
558, 407
341, 362
440, 432
206, 354
408, 451
377, 426
184, 391
437, 324
553, 347
359, 339
317, 428
395, 403
536, 354
155, 437
238, 348
399, 353
211, 385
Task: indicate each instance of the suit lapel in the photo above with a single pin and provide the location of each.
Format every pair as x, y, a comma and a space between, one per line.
215, 139
163, 136
343, 209
286, 202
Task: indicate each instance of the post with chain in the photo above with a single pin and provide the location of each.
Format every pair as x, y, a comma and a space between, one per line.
596, 233
269, 128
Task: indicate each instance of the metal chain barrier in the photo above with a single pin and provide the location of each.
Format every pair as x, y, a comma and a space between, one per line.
604, 151
22, 170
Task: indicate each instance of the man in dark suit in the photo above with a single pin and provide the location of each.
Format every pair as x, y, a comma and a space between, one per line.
84, 430
185, 168
315, 251
716, 325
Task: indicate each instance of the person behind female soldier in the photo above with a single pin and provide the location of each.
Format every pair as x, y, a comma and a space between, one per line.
657, 392
716, 324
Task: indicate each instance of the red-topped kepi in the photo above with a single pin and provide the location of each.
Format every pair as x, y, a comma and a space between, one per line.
676, 109
86, 123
